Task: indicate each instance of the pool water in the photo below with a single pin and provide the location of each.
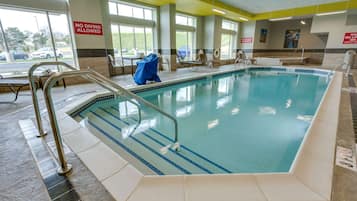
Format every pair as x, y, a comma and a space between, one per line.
243, 122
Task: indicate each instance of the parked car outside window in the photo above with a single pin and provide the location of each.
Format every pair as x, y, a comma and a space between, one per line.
45, 53
15, 54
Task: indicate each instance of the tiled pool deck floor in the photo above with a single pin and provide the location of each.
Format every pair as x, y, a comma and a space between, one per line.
21, 179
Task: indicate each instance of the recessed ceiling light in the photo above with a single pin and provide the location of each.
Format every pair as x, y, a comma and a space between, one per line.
218, 11
302, 22
279, 19
242, 18
331, 13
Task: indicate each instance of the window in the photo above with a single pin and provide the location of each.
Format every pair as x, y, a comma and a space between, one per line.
185, 20
131, 41
130, 11
229, 25
228, 39
28, 37
185, 37
131, 37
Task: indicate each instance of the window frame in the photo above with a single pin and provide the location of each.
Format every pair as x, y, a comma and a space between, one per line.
47, 14
233, 35
132, 5
120, 20
189, 29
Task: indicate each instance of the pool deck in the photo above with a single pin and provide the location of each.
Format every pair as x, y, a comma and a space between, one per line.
310, 180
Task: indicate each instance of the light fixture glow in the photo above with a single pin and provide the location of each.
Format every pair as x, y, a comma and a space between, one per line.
331, 13
218, 11
302, 22
279, 19
242, 18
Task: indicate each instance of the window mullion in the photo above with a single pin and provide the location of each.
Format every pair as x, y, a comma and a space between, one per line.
134, 38
52, 38
121, 47
146, 52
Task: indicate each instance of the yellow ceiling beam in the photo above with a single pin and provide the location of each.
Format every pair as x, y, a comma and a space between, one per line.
308, 10
158, 2
204, 8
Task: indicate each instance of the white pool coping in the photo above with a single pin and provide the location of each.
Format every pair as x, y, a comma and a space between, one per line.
310, 178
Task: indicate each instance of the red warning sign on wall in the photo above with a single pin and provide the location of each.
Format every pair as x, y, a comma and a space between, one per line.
350, 38
246, 40
87, 28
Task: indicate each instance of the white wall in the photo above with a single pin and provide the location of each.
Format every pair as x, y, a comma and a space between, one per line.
247, 29
336, 26
307, 40
262, 24
87, 11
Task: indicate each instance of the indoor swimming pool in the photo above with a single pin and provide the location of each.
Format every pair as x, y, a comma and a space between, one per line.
247, 121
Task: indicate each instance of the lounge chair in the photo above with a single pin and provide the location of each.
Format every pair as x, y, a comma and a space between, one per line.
14, 84
112, 64
200, 60
241, 57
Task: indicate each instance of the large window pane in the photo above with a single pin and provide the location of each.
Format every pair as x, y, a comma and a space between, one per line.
28, 40
181, 20
148, 14
149, 41
125, 10
190, 51
62, 38
116, 44
229, 25
127, 40
225, 46
139, 40
138, 13
228, 39
130, 11
113, 8
184, 45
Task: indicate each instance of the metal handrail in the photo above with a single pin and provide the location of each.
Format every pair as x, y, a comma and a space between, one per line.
33, 88
95, 77
140, 99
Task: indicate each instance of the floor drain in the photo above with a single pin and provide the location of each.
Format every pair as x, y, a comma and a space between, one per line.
350, 90
345, 158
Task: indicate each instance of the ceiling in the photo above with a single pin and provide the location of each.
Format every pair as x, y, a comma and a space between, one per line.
257, 6
257, 9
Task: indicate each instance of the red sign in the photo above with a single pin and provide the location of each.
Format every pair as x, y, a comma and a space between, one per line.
350, 38
246, 40
87, 28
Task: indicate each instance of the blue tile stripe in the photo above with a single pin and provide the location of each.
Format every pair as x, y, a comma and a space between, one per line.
184, 147
160, 143
144, 145
146, 163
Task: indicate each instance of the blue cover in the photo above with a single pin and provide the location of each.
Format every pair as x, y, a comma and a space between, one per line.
147, 70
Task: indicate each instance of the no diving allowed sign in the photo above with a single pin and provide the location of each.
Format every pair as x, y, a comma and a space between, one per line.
87, 28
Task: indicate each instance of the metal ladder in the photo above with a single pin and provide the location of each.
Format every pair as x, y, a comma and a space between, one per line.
104, 82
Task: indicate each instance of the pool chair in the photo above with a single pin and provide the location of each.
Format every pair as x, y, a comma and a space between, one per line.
241, 57
112, 64
14, 84
200, 60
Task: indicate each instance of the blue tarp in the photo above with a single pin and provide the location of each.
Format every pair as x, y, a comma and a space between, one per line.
147, 70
